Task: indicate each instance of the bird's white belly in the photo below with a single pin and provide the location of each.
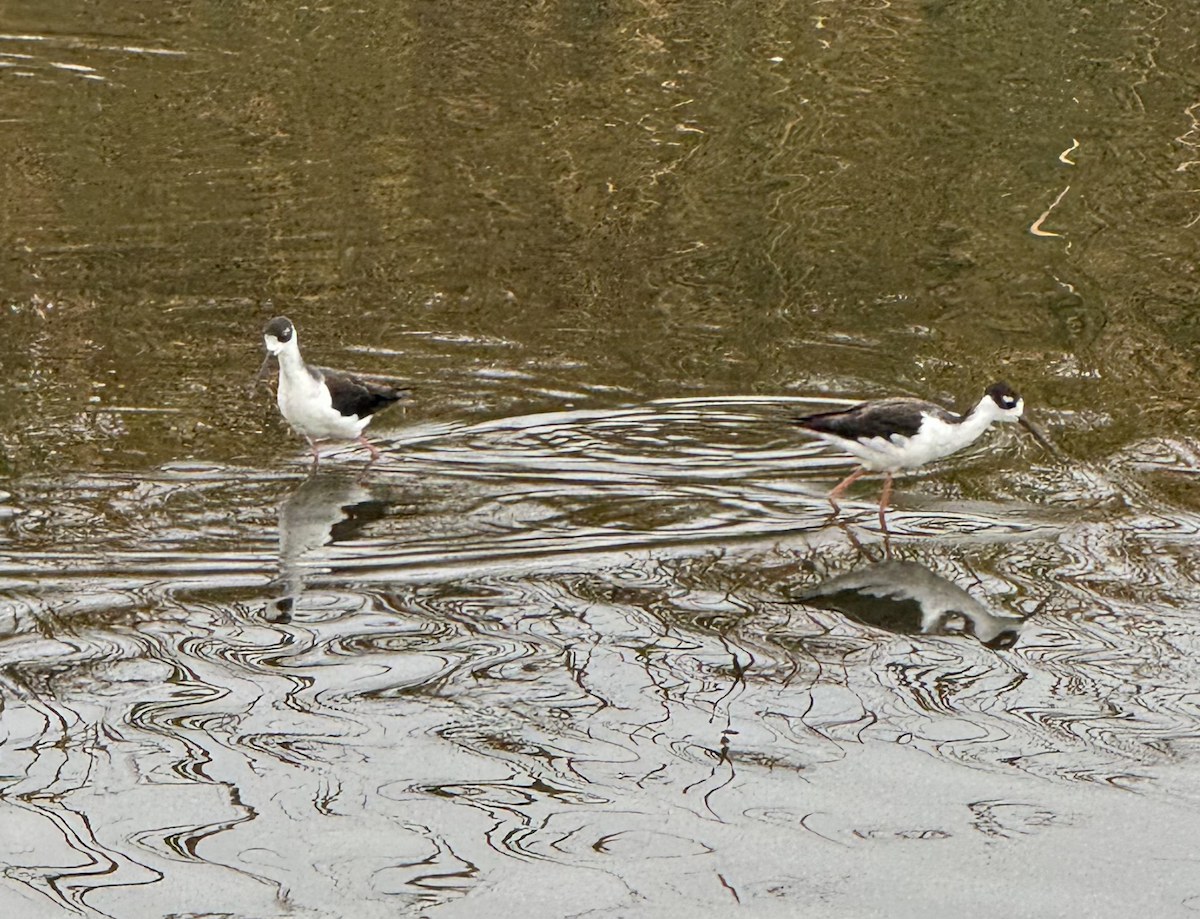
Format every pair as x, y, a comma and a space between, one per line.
934, 441
880, 455
307, 406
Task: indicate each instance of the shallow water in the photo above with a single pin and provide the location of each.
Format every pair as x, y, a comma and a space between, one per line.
586, 641
557, 663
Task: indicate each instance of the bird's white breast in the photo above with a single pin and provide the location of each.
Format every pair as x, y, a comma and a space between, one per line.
306, 404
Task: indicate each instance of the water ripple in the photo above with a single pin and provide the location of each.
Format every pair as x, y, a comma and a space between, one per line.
581, 643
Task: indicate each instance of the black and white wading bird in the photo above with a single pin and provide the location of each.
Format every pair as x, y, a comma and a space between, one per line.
893, 435
319, 403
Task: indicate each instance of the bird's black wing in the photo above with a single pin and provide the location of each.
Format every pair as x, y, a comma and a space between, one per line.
353, 395
881, 418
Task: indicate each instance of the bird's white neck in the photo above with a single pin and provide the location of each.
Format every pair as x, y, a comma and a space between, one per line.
979, 419
290, 362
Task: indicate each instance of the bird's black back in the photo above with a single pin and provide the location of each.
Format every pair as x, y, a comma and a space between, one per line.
353, 395
881, 418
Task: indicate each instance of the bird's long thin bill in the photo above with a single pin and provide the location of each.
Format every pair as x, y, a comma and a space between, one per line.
262, 373
1038, 436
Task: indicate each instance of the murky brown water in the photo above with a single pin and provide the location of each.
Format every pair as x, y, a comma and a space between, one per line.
584, 642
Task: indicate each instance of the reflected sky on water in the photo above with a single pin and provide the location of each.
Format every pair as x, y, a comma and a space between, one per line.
585, 641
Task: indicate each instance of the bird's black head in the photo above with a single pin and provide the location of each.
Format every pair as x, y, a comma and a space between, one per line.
280, 328
1003, 395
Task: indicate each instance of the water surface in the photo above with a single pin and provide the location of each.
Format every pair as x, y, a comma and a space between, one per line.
585, 641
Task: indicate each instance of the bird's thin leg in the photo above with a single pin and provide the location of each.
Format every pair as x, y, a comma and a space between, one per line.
883, 502
841, 487
316, 453
362, 439
859, 547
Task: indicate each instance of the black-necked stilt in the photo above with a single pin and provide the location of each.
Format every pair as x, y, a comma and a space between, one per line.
891, 435
319, 403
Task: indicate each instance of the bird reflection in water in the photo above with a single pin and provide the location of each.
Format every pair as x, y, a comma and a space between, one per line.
327, 508
909, 599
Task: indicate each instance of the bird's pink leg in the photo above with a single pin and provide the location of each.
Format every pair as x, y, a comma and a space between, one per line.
883, 502
316, 453
841, 487
362, 439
